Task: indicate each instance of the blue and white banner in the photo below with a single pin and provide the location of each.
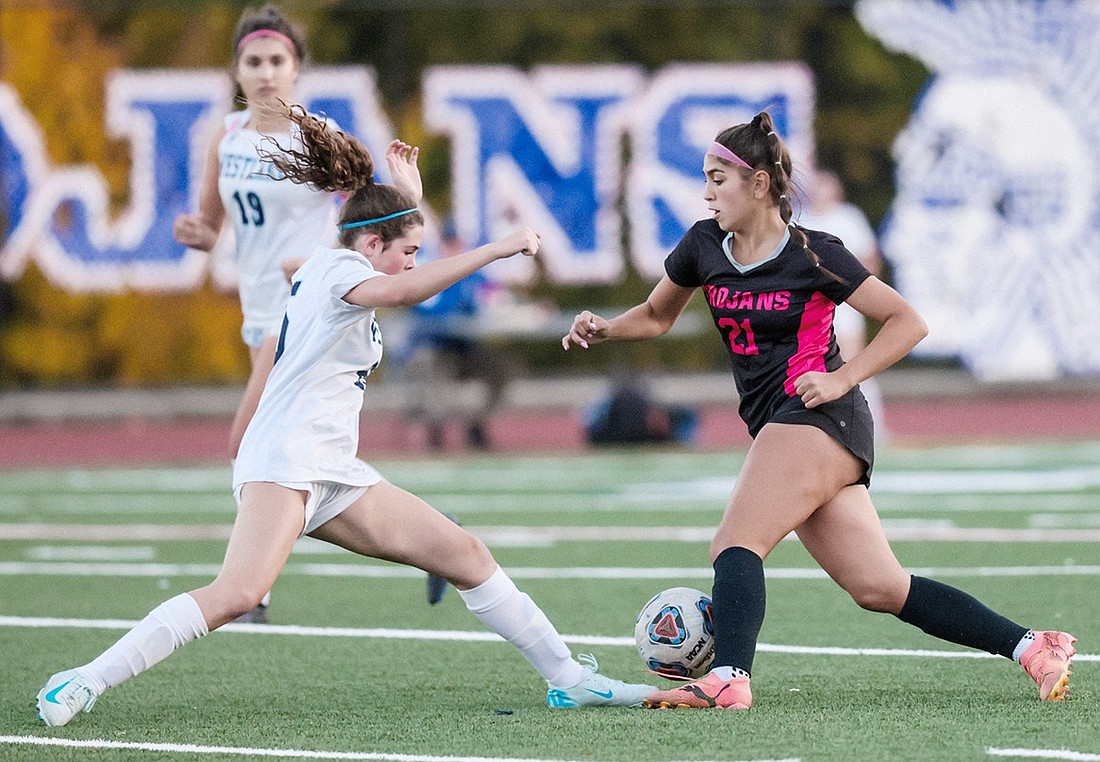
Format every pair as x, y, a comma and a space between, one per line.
995, 229
59, 216
564, 150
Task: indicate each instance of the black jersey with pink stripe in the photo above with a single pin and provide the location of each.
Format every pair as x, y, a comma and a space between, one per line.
776, 319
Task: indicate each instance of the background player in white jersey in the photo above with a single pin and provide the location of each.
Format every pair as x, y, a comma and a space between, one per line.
829, 210
772, 287
272, 222
297, 471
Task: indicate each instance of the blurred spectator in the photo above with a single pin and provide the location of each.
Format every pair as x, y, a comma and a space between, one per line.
829, 210
447, 348
628, 414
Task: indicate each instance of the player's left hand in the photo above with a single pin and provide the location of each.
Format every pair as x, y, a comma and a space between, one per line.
401, 158
817, 388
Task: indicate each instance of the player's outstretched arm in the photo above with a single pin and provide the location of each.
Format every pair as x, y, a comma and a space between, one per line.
415, 284
653, 317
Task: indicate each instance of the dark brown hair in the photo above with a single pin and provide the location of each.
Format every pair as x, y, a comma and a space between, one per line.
333, 161
268, 17
759, 145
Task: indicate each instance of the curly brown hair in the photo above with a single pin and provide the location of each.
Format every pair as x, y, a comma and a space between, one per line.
333, 161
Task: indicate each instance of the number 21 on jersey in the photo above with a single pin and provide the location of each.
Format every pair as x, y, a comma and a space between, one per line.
741, 338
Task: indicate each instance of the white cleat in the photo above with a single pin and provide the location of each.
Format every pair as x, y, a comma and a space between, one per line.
64, 696
597, 690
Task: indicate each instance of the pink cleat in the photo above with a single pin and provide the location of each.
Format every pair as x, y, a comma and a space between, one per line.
1047, 660
709, 692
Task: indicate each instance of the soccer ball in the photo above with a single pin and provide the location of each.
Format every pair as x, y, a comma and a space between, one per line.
675, 633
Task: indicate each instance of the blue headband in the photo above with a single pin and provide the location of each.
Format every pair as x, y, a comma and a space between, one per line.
379, 219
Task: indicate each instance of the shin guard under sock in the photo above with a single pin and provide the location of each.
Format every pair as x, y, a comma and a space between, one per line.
512, 614
739, 601
169, 626
950, 614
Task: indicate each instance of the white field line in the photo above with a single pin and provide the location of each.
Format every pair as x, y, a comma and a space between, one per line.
238, 751
91, 553
933, 479
527, 536
1054, 520
374, 571
946, 480
627, 501
1078, 756
482, 636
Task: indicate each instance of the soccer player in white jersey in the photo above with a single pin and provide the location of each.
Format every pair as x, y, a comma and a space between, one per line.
297, 471
272, 222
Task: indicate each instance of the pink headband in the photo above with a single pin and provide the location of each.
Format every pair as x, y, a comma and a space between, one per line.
719, 150
267, 33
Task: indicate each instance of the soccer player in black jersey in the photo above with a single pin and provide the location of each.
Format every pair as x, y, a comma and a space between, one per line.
772, 288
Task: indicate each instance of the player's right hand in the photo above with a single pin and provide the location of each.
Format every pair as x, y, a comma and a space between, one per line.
191, 230
525, 242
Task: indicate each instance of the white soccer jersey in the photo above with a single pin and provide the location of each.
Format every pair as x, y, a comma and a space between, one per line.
272, 220
849, 224
306, 427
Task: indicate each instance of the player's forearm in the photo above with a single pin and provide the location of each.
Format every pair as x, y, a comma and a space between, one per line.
896, 337
410, 287
639, 323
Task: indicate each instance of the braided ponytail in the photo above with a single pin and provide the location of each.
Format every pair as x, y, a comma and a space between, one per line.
761, 146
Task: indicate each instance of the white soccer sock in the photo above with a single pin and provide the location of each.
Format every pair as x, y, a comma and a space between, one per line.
170, 625
510, 613
1023, 645
729, 673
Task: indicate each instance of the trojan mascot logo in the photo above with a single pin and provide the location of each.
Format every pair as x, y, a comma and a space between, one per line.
995, 229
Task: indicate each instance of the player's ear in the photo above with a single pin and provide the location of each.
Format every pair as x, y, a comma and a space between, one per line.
761, 184
369, 244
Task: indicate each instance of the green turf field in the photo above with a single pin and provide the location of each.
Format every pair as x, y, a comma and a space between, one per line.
591, 537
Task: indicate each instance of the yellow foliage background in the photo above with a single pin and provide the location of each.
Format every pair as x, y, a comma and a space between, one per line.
57, 55
58, 62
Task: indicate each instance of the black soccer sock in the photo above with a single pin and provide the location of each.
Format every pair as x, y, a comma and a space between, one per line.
739, 599
950, 614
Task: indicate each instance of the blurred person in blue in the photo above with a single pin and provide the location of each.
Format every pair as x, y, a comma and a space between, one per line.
772, 287
449, 348
271, 222
298, 471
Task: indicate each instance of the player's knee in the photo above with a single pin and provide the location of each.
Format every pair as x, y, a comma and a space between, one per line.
879, 596
474, 562
722, 543
234, 602
478, 552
